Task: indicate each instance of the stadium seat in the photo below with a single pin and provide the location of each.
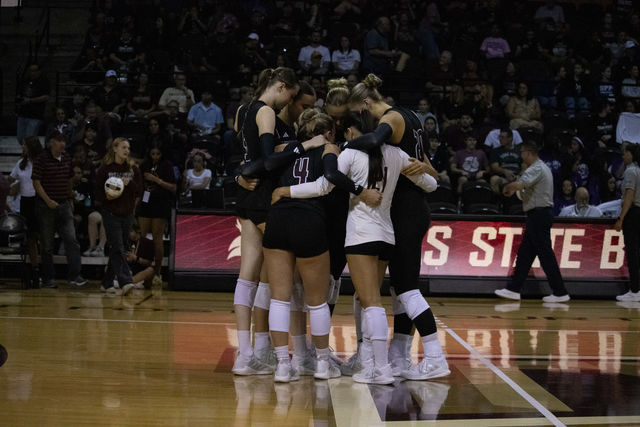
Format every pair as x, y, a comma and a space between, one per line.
479, 198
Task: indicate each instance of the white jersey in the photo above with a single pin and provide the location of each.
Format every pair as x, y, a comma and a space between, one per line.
364, 223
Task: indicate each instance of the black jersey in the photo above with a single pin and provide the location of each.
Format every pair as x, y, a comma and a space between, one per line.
260, 198
306, 168
411, 142
285, 134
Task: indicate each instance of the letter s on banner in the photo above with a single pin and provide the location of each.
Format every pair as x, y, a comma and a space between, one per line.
608, 248
488, 250
432, 239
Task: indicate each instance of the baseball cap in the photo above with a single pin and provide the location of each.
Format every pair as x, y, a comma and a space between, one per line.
253, 36
629, 44
111, 73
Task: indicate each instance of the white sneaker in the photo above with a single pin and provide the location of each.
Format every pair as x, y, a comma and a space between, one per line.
372, 375
506, 293
304, 365
139, 285
554, 298
326, 369
249, 366
285, 373
98, 251
629, 296
352, 365
111, 290
267, 356
399, 365
126, 289
428, 368
88, 252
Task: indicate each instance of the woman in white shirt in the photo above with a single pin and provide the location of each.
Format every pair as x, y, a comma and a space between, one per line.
370, 238
197, 178
21, 173
345, 60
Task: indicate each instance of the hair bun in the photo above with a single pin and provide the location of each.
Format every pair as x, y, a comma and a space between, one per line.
337, 83
372, 81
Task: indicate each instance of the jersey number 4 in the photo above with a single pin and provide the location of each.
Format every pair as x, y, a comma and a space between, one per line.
301, 170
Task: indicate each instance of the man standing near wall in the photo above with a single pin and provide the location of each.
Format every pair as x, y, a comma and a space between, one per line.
536, 188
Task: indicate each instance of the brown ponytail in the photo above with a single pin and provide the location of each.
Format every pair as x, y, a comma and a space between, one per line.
268, 77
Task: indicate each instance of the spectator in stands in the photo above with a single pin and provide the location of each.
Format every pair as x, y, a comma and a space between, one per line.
550, 10
430, 124
157, 199
288, 22
81, 196
51, 174
75, 108
109, 97
573, 91
493, 139
566, 196
631, 84
32, 99
205, 119
442, 77
438, 156
156, 135
123, 50
581, 208
424, 109
91, 115
348, 11
141, 104
346, 59
404, 35
252, 57
190, 23
577, 163
21, 173
455, 136
377, 53
529, 48
60, 124
352, 80
609, 189
603, 125
507, 85
88, 67
605, 89
94, 148
469, 164
506, 162
179, 93
494, 46
306, 55
197, 179
628, 59
523, 110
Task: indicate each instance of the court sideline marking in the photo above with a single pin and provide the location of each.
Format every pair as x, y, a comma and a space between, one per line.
526, 396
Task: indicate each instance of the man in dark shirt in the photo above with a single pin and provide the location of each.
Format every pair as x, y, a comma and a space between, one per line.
51, 177
506, 162
31, 102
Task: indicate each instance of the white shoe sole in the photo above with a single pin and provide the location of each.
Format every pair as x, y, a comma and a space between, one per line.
421, 377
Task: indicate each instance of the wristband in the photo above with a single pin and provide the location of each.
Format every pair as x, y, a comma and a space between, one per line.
359, 189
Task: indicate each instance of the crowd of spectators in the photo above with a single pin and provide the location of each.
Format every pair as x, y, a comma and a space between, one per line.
481, 75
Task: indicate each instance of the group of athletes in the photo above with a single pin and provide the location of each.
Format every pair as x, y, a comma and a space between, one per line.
319, 190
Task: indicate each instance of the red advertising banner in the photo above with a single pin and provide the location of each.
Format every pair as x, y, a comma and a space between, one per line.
451, 248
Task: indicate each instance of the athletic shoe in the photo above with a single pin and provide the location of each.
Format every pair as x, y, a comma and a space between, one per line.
554, 298
428, 368
139, 285
88, 252
78, 281
126, 289
372, 375
352, 365
50, 284
111, 290
267, 356
98, 251
629, 296
304, 365
285, 373
399, 365
249, 366
326, 369
506, 293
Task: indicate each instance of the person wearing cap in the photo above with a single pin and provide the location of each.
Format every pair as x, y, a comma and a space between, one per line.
180, 93
32, 99
308, 55
535, 187
109, 97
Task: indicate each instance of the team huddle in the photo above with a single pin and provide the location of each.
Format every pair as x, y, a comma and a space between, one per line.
319, 190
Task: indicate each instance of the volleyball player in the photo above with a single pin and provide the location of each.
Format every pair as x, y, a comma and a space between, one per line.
369, 239
410, 214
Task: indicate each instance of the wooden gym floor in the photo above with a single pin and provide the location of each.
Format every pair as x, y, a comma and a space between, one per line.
80, 357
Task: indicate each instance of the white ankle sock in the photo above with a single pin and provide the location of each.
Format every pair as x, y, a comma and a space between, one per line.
431, 345
261, 341
322, 353
282, 352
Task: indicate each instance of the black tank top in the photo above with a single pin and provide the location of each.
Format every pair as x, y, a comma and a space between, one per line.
285, 134
248, 130
411, 142
306, 168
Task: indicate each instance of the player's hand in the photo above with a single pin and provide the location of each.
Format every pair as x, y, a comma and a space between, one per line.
279, 193
52, 204
248, 184
371, 197
618, 225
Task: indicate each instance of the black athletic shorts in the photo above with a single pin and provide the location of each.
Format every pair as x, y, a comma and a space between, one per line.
382, 250
256, 216
298, 230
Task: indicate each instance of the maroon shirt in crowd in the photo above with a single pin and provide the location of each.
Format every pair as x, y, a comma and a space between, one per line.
53, 175
132, 178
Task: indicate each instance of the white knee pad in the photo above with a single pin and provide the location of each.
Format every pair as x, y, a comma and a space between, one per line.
398, 308
414, 303
297, 297
375, 324
245, 293
334, 290
320, 319
279, 318
263, 296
